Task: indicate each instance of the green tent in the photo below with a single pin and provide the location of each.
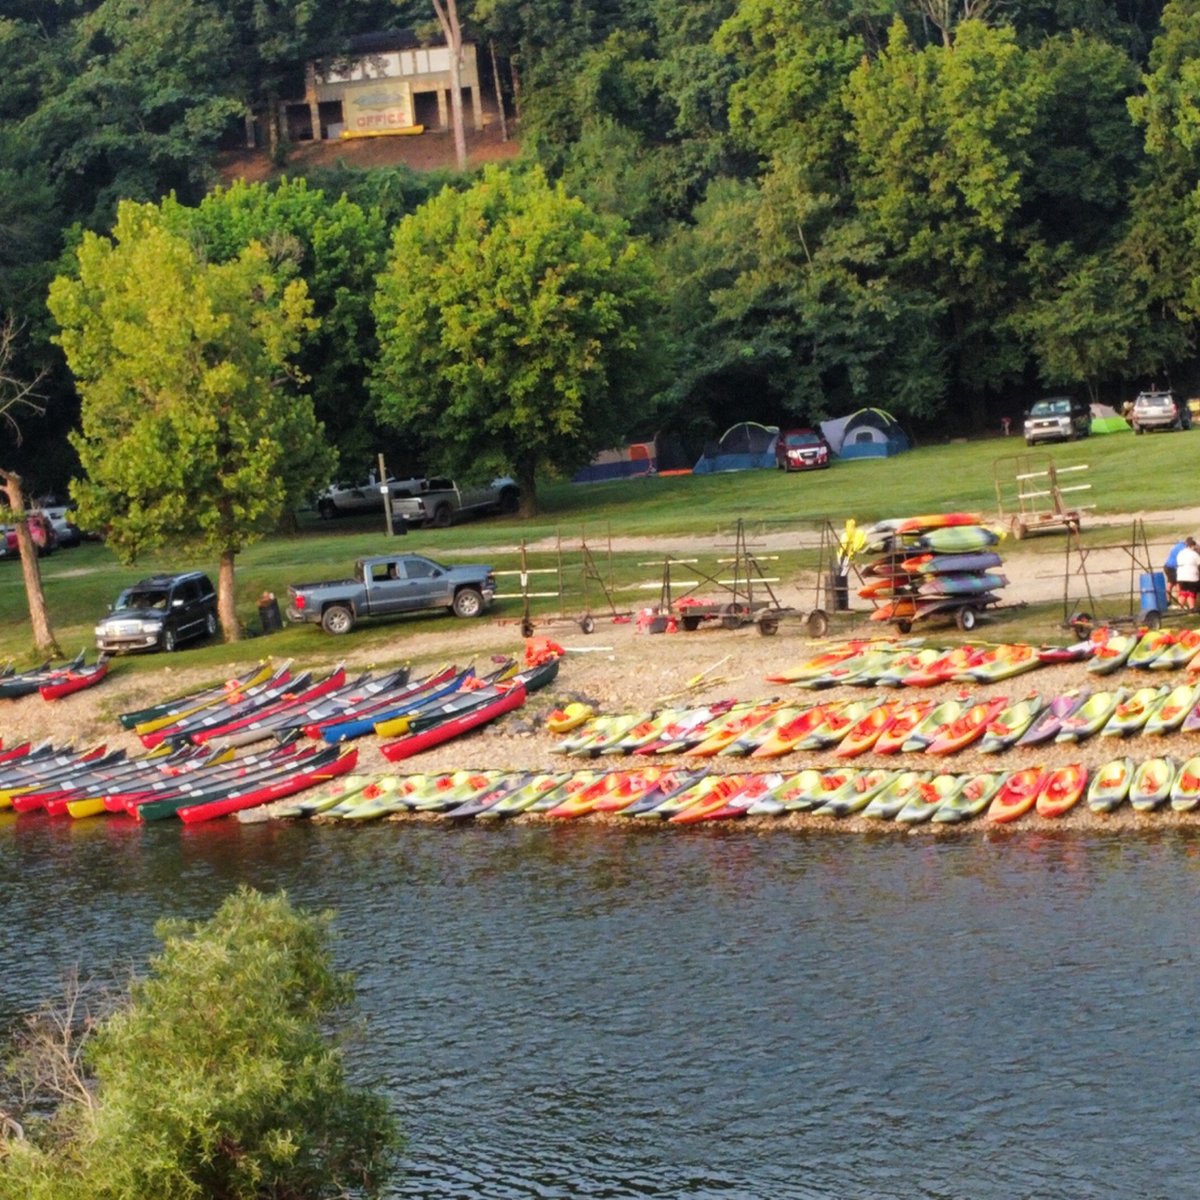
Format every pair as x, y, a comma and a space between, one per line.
1108, 420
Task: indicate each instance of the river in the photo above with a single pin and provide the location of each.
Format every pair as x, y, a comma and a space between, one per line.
596, 1011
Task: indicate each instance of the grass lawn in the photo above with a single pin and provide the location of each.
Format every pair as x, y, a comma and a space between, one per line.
1127, 474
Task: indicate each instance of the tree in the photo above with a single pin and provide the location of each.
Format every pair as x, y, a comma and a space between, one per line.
216, 1075
512, 326
17, 395
193, 429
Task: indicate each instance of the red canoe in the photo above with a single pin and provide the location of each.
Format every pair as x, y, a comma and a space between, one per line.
435, 735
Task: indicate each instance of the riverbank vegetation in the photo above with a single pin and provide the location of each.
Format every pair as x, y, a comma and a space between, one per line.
214, 1075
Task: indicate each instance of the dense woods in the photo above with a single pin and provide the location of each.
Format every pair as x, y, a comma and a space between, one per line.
940, 209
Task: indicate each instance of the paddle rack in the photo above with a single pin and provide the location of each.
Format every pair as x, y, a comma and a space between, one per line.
1030, 497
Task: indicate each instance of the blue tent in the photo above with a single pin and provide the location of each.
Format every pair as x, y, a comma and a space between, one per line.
742, 447
868, 433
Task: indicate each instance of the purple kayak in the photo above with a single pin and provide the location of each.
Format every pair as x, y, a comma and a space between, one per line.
1050, 722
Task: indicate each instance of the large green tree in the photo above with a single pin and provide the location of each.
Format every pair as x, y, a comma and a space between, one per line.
193, 429
217, 1075
513, 328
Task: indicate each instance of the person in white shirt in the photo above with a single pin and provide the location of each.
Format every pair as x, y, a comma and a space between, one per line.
1187, 573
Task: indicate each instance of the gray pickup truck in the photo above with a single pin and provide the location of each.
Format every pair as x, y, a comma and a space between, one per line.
438, 502
390, 584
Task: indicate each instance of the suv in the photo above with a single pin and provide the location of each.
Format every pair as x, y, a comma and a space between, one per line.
1159, 410
160, 612
1057, 419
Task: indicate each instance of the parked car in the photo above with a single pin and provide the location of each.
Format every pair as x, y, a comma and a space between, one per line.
1159, 410
160, 612
346, 499
801, 450
59, 516
45, 540
439, 502
1057, 419
389, 584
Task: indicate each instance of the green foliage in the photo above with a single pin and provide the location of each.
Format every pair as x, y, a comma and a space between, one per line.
217, 1077
511, 322
189, 433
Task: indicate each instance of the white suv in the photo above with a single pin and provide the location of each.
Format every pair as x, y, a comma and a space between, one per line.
1159, 410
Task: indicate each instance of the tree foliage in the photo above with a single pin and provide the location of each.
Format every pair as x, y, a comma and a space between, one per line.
512, 322
193, 430
215, 1076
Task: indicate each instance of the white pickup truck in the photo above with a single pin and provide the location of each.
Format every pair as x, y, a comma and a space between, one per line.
438, 502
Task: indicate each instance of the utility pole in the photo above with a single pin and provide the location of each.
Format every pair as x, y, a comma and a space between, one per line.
387, 496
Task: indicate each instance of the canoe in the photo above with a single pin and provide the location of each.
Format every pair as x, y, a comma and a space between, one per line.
1010, 724
1110, 785
924, 803
563, 720
905, 719
887, 803
1092, 715
1112, 653
25, 683
1132, 713
1016, 795
531, 679
69, 682
967, 727
971, 799
1185, 791
1061, 790
1049, 721
1152, 644
293, 706
168, 709
923, 733
1152, 783
413, 698
958, 539
962, 584
855, 793
1170, 713
436, 735
951, 564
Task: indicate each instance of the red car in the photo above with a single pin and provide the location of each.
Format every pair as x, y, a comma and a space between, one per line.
40, 530
801, 450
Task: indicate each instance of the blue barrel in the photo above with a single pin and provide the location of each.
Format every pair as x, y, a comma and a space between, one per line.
1153, 586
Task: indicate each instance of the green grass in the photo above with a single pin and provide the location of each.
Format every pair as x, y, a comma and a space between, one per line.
1127, 474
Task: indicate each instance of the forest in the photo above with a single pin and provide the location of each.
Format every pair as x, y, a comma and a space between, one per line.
943, 209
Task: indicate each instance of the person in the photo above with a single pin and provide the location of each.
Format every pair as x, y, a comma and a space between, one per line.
1187, 573
1169, 567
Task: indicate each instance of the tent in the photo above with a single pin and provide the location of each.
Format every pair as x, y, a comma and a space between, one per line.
1107, 420
868, 433
638, 458
742, 447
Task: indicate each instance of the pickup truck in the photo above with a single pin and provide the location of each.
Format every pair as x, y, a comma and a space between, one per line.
389, 584
437, 502
346, 499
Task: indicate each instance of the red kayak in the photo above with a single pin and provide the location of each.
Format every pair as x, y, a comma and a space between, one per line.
435, 735
1017, 795
967, 728
74, 680
1061, 790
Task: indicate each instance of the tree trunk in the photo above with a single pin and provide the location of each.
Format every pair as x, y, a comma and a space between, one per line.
499, 93
43, 635
226, 609
447, 15
526, 477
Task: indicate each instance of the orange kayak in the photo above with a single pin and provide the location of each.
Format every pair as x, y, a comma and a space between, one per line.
1061, 790
1017, 795
903, 722
783, 739
967, 728
864, 733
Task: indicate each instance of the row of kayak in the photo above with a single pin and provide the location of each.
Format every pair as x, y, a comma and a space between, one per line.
889, 663
848, 728
685, 796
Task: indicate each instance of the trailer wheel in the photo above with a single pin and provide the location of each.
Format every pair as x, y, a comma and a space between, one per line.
904, 625
527, 628
966, 618
733, 616
817, 623
1081, 626
587, 623
1152, 619
768, 626
691, 624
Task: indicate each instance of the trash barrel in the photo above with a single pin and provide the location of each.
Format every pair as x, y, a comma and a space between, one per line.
838, 588
1153, 585
269, 616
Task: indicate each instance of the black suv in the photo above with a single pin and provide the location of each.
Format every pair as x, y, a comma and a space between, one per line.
160, 612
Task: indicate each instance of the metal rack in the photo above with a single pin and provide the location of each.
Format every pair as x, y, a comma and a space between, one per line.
1034, 496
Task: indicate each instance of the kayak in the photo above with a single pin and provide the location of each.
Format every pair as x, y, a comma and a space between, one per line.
1090, 716
758, 789
1008, 725
887, 803
735, 727
924, 732
900, 727
971, 799
864, 733
856, 793
681, 800
929, 797
749, 741
511, 804
1181, 653
967, 727
838, 721
797, 793
951, 564
672, 784
563, 720
957, 539
726, 790
1002, 662
950, 665
962, 584
1169, 715
1110, 785
1130, 715
1061, 790
820, 664
1049, 721
1185, 791
1153, 643
1152, 782
1112, 653
936, 521
907, 664
1016, 795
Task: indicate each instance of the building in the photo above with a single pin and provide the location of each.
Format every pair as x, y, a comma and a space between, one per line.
385, 83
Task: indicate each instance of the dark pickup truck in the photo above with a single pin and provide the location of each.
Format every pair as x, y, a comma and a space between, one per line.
390, 584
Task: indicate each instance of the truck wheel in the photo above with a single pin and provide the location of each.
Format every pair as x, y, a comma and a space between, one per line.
468, 602
167, 639
337, 618
441, 516
327, 510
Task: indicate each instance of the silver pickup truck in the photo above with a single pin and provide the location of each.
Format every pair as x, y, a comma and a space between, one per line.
388, 585
438, 502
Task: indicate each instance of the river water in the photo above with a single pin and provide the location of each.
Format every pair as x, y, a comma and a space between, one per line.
595, 1011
